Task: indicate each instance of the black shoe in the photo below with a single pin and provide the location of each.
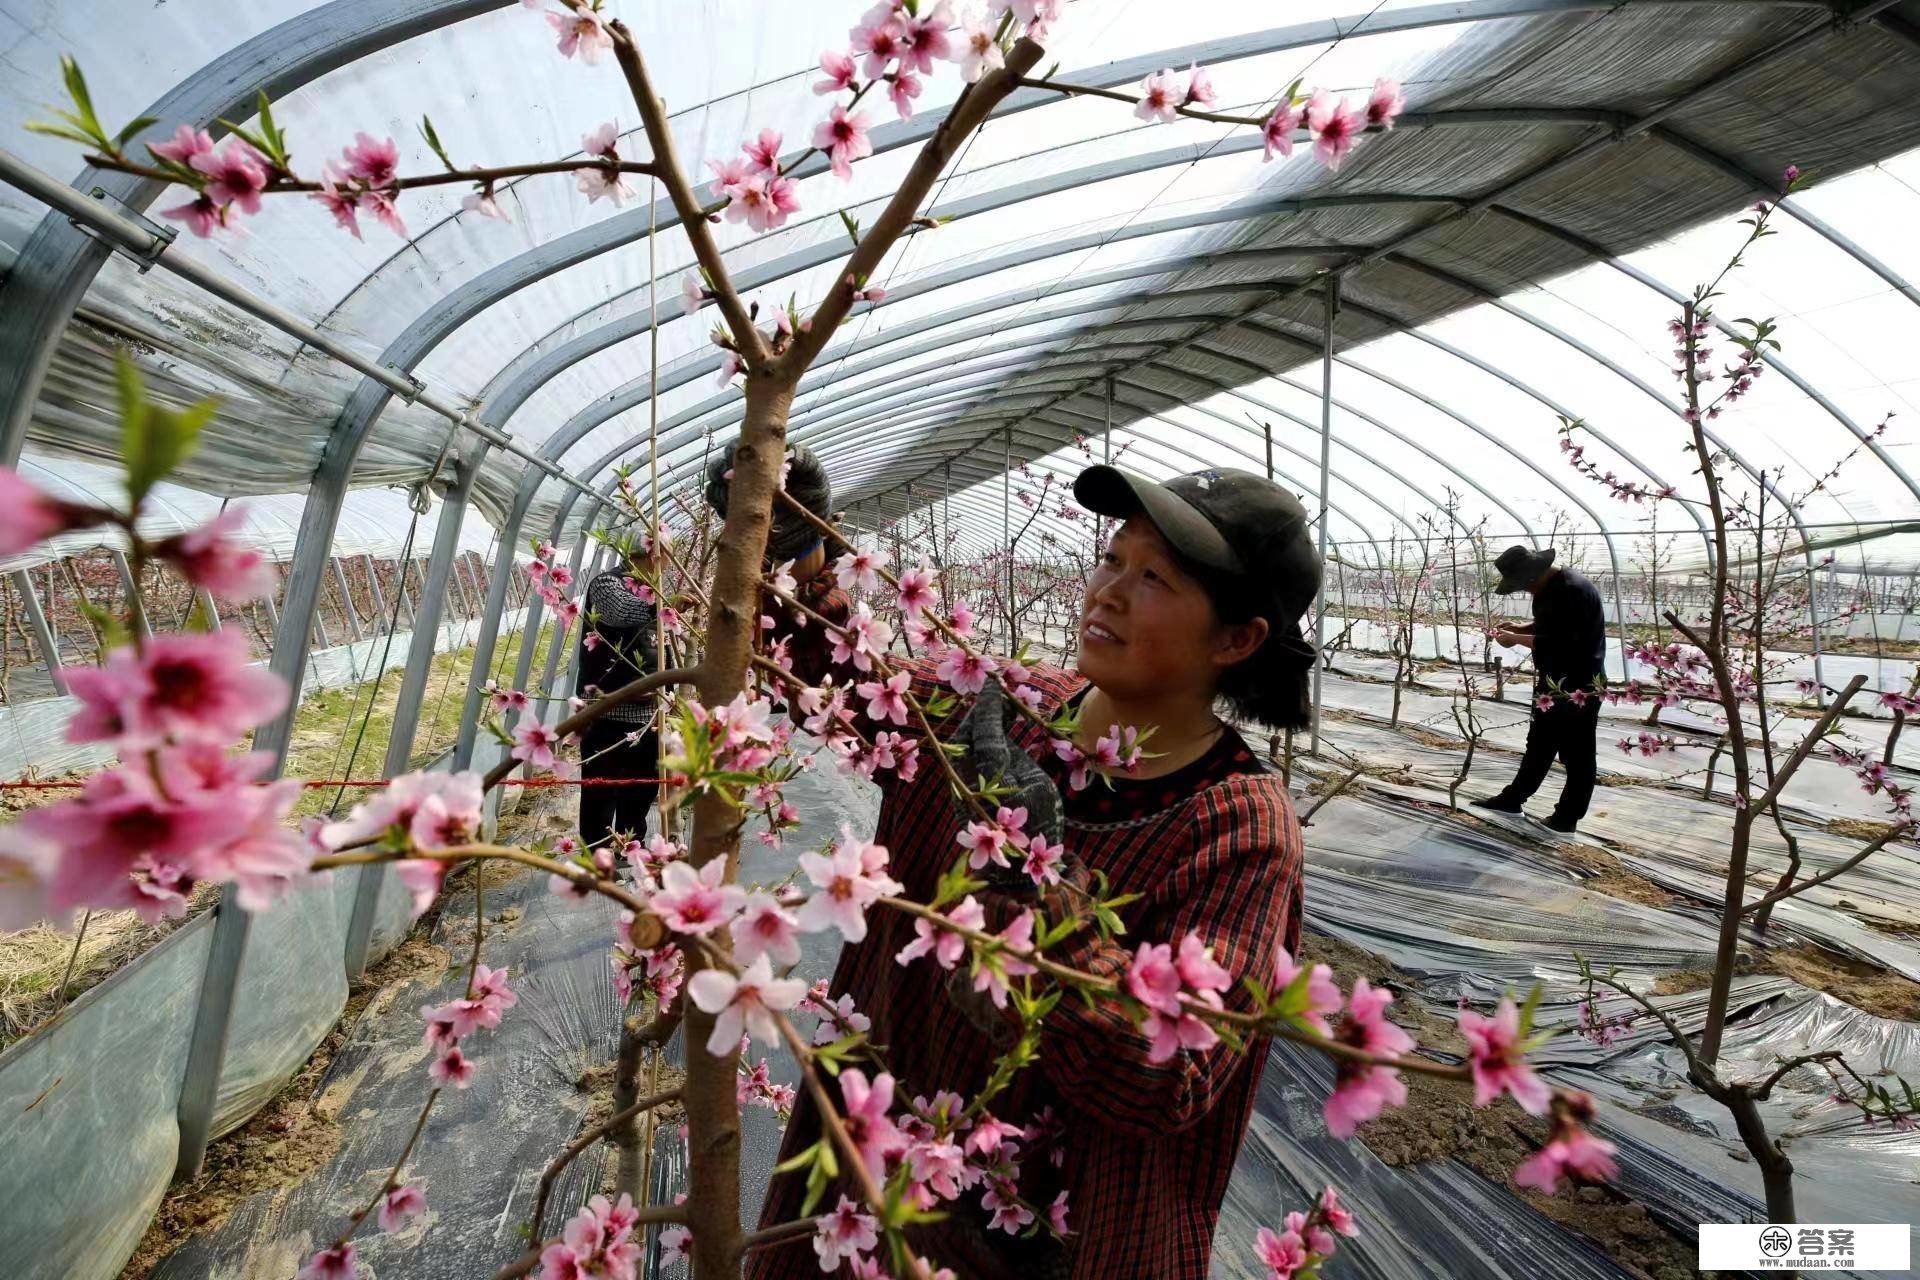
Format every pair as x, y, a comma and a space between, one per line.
1499, 804
1566, 826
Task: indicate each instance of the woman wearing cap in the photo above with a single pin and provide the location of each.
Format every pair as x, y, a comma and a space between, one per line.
1194, 606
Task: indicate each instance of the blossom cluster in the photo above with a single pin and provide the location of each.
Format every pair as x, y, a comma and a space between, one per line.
597, 1244
1875, 779
1330, 120
488, 996
1296, 1252
179, 808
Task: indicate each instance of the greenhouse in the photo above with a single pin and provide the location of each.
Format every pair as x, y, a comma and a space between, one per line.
959, 638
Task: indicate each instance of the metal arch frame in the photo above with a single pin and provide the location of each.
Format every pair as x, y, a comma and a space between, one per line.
1600, 525
44, 289
1051, 444
1147, 443
1648, 280
1147, 414
1643, 124
58, 262
1632, 379
1401, 436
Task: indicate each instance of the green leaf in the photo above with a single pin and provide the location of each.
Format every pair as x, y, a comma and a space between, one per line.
76, 84
276, 142
134, 127
153, 440
433, 141
803, 1158
113, 630
852, 225
61, 131
825, 1169
199, 618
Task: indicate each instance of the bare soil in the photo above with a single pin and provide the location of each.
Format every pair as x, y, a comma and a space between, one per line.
1440, 1121
1866, 987
1607, 874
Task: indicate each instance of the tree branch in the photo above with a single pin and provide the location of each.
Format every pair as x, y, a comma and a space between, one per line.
1793, 891
967, 115
630, 692
693, 218
587, 1139
478, 177
1805, 746
1761, 1090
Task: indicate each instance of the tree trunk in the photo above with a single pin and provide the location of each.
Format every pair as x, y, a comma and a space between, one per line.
1776, 1170
1729, 946
713, 1113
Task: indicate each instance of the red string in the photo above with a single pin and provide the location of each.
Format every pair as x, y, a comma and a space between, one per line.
381, 782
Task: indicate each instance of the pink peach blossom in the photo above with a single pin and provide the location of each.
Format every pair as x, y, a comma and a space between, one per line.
763, 152
697, 902
1499, 1064
874, 1133
763, 202
881, 35
838, 68
1385, 104
764, 927
1161, 96
743, 1004
236, 174
1322, 993
30, 515
980, 51
583, 34
1278, 130
887, 700
399, 1205
1018, 935
452, 1068
1578, 1154
187, 143
844, 139
965, 671
1200, 91
210, 557
337, 1262
1362, 1091
946, 946
1334, 126
201, 215
844, 1234
847, 887
374, 162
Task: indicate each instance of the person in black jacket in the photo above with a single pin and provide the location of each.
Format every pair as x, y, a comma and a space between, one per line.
1569, 642
618, 636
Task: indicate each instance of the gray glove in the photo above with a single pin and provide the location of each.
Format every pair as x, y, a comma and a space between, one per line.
807, 481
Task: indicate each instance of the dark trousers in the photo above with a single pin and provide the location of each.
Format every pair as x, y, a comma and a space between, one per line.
607, 754
1568, 732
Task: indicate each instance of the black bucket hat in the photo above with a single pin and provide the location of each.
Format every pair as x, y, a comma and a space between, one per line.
1520, 567
1239, 526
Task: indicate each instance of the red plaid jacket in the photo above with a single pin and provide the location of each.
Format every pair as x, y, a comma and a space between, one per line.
1144, 1150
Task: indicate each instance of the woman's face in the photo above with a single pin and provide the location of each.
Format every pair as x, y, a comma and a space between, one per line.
1148, 630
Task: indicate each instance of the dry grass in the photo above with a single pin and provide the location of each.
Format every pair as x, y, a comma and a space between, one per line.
32, 961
